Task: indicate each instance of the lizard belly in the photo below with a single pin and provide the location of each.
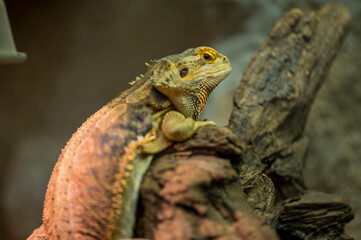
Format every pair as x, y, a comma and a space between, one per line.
126, 222
93, 190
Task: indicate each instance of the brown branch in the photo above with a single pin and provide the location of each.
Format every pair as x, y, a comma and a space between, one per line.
277, 90
192, 191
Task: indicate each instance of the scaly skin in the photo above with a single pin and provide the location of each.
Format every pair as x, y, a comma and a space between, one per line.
93, 191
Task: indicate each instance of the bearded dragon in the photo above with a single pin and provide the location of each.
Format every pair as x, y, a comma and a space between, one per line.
93, 190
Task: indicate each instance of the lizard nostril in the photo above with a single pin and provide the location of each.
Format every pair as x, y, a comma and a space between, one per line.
224, 59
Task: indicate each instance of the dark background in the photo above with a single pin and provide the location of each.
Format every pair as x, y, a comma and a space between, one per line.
81, 54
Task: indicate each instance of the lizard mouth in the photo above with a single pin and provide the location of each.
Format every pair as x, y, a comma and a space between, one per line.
215, 77
190, 96
221, 72
218, 75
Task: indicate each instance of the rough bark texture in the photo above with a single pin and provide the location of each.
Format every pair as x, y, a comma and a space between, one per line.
246, 181
320, 214
278, 88
192, 191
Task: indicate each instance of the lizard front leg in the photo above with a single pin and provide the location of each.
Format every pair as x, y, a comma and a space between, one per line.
175, 127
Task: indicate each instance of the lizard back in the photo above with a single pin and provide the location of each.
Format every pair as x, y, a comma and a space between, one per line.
93, 168
93, 191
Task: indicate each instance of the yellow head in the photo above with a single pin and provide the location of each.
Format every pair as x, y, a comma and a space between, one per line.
188, 78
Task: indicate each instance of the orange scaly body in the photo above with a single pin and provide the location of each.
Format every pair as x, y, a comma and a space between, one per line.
93, 191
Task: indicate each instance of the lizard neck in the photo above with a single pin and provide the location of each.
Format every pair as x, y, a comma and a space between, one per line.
142, 92
192, 103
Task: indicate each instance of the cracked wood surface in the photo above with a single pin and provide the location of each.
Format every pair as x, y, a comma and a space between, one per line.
190, 192
272, 103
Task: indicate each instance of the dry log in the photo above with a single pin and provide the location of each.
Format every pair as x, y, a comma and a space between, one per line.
192, 190
316, 213
272, 103
214, 185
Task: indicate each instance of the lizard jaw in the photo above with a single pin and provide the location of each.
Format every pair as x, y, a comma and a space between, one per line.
187, 79
190, 101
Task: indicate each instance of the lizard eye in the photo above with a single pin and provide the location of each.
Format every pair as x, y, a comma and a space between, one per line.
183, 72
207, 56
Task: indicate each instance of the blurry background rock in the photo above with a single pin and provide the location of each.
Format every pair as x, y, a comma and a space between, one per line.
82, 54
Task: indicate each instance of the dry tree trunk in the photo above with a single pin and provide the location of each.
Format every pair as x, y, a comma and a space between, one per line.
246, 181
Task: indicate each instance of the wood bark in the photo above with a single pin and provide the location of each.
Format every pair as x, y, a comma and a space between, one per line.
245, 181
277, 90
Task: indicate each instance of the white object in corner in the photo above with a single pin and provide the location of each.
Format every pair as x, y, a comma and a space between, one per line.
8, 53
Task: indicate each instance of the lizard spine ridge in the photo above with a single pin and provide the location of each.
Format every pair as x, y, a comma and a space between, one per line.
93, 190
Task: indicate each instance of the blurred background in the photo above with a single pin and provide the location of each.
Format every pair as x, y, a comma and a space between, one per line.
81, 54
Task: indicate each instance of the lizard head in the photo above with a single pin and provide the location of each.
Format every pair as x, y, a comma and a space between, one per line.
188, 78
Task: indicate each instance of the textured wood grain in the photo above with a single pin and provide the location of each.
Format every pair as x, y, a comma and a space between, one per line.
193, 190
194, 193
190, 192
318, 213
272, 103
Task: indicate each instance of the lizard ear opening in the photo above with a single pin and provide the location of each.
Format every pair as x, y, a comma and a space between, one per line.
183, 72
